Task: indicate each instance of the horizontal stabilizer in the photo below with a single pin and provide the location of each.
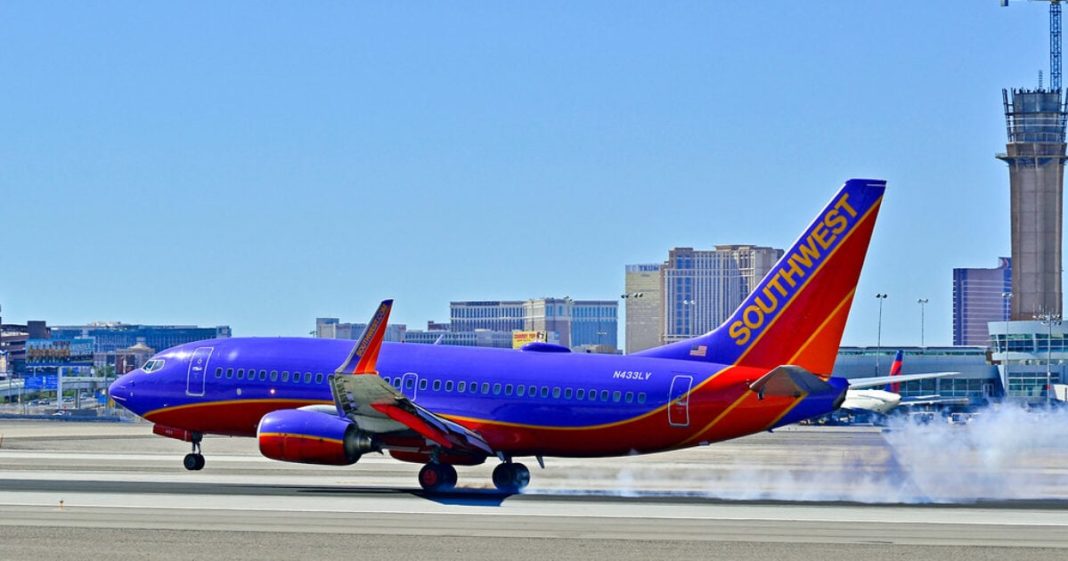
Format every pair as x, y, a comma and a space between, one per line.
859, 383
790, 381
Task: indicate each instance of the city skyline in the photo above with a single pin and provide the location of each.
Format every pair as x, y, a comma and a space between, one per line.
195, 179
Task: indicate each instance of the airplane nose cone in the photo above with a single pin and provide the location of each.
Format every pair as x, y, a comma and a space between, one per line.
119, 390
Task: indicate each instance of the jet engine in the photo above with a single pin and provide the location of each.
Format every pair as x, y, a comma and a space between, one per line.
311, 437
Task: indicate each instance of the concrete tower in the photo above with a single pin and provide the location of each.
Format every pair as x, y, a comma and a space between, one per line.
1035, 153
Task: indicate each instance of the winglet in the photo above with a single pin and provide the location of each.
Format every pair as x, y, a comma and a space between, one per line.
365, 352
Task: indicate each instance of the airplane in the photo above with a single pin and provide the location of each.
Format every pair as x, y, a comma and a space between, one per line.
859, 398
329, 402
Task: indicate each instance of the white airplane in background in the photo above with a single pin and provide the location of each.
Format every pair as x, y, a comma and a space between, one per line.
882, 401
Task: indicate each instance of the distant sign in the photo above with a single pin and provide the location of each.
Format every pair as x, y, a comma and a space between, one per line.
60, 352
43, 382
520, 338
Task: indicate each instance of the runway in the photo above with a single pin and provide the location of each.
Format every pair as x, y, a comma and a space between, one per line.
71, 491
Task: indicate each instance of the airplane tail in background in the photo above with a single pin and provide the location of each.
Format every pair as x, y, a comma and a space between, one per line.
797, 314
895, 370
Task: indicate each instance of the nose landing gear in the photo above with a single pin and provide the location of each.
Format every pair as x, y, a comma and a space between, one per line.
194, 461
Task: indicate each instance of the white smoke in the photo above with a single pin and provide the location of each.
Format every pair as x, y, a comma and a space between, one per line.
1003, 453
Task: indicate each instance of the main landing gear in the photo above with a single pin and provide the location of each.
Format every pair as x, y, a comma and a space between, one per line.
194, 461
510, 478
437, 477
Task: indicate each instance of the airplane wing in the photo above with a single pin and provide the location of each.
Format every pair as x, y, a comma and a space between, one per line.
859, 383
935, 400
377, 407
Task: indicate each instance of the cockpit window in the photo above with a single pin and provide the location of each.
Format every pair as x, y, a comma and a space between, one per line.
153, 365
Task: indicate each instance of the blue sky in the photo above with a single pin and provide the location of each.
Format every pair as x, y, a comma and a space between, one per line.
262, 164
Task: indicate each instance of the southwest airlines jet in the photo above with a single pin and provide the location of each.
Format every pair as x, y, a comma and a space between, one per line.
769, 365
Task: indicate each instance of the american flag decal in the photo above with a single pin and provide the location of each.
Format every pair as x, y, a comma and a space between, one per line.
699, 350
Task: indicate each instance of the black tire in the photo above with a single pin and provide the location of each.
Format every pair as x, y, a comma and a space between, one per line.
511, 478
449, 476
437, 477
190, 462
520, 477
200, 462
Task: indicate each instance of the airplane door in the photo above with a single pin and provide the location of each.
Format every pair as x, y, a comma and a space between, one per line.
679, 400
198, 368
409, 384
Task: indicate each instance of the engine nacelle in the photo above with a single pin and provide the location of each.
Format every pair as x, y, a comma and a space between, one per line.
311, 437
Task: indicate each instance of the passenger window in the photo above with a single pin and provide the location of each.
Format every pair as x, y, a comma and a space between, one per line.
218, 372
496, 389
229, 372
240, 373
485, 388
397, 382
580, 394
423, 384
616, 396
533, 391
593, 394
437, 385
461, 386
448, 386
263, 375
274, 375
641, 397
520, 390
508, 389
410, 383
386, 379
307, 377
556, 392
604, 395
545, 391
474, 387
567, 393
630, 397
319, 378
285, 375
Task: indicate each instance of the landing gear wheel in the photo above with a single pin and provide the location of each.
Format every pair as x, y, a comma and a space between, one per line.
437, 477
193, 462
510, 478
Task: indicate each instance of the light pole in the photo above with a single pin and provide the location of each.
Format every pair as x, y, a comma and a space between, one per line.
923, 304
626, 311
690, 306
879, 332
1049, 320
1007, 297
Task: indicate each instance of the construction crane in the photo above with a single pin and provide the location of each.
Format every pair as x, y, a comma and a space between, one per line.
1054, 41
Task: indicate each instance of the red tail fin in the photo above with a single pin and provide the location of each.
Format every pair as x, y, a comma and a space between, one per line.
797, 314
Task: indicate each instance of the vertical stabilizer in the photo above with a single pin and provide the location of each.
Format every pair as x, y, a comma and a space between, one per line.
797, 314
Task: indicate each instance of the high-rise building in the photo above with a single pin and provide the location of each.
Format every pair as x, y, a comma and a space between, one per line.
1035, 153
332, 328
980, 296
594, 323
573, 323
495, 315
644, 306
701, 288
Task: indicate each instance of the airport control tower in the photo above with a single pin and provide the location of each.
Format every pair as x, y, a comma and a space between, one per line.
1035, 152
1034, 120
